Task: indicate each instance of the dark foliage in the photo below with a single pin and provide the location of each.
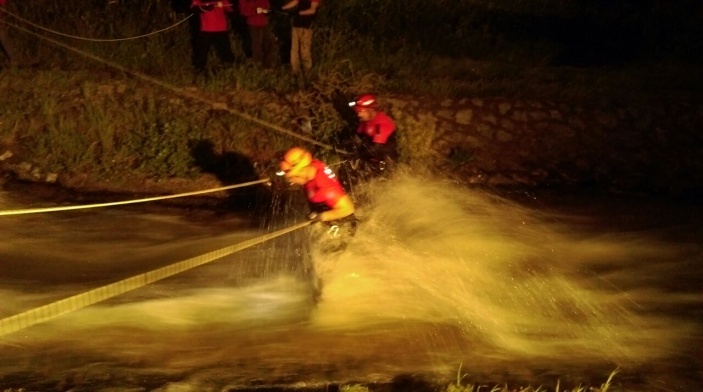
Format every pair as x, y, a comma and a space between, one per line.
568, 32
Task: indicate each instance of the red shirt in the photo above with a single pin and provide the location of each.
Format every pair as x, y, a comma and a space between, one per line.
2, 4
379, 128
215, 20
248, 9
324, 187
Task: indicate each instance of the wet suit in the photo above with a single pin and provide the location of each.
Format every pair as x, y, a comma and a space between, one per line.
379, 137
323, 192
379, 146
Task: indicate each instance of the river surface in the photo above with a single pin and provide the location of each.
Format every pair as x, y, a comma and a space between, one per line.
439, 280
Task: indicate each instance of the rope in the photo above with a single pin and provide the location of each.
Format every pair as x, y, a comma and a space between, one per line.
92, 39
117, 203
181, 91
53, 310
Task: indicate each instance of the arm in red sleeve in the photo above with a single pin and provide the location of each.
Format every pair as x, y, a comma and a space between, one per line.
383, 129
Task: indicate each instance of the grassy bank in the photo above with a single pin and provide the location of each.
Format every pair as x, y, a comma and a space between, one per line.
75, 120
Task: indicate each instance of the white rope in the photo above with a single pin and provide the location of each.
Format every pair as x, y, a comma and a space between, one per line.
92, 39
53, 310
182, 92
117, 203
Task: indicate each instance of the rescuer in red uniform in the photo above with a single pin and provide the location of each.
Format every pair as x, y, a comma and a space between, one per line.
328, 203
377, 132
326, 197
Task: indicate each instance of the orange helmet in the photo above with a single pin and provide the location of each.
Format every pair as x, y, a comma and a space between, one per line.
366, 101
294, 161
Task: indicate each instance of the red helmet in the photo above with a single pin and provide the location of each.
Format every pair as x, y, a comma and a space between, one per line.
366, 101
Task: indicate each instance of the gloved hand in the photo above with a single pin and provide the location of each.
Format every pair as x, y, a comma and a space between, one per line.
315, 217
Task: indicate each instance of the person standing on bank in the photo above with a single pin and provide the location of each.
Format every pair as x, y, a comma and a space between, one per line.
214, 31
303, 15
263, 43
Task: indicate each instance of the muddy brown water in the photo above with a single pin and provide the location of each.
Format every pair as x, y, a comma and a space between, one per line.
527, 288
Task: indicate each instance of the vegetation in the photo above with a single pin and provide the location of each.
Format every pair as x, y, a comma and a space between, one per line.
545, 49
459, 386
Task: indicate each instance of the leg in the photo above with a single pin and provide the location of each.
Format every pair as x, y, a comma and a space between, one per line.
6, 45
270, 51
295, 51
223, 47
201, 47
257, 50
195, 40
306, 49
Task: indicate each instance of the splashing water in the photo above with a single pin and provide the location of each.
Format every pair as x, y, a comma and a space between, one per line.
507, 277
436, 273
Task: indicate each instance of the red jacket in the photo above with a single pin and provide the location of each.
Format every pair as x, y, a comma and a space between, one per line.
379, 128
248, 10
325, 187
215, 20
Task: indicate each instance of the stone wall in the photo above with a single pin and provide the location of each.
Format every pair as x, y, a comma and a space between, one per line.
498, 141
487, 141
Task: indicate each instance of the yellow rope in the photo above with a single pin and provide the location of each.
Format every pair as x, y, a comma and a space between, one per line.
53, 310
117, 203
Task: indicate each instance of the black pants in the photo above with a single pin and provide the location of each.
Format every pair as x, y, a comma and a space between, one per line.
334, 236
263, 46
201, 48
341, 227
387, 152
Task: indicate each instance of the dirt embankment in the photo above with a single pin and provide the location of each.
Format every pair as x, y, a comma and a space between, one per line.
482, 141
